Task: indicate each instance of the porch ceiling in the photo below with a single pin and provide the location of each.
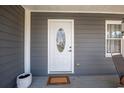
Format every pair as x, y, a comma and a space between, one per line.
112, 9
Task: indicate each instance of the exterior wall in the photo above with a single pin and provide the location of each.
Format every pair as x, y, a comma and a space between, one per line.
11, 44
89, 42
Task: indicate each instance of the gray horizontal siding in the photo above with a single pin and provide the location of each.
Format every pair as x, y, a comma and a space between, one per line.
11, 44
89, 42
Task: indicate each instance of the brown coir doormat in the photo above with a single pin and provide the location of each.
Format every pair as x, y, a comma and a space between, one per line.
57, 80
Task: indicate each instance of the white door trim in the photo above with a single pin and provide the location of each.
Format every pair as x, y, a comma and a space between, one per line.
71, 20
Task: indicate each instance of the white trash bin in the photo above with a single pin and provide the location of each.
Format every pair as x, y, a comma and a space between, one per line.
24, 80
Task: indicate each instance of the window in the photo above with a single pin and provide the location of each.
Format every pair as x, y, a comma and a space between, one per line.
113, 37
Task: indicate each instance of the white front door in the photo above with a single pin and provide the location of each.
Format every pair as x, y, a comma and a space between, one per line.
60, 46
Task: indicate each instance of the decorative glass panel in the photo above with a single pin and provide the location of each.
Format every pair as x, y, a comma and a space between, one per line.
60, 39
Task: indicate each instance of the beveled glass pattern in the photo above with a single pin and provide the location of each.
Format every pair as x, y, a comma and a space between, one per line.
60, 39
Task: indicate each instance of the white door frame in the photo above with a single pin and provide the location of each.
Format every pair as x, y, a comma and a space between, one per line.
70, 20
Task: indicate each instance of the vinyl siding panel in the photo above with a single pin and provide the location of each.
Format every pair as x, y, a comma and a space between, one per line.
11, 44
89, 42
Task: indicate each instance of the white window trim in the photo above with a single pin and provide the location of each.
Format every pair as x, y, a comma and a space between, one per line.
106, 23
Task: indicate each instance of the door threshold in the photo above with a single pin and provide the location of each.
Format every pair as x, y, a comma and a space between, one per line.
60, 72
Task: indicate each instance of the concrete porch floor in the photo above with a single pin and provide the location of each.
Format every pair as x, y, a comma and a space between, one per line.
99, 81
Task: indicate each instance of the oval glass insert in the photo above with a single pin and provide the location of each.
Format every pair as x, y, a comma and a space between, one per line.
60, 39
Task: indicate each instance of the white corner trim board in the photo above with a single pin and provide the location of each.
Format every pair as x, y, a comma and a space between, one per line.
27, 35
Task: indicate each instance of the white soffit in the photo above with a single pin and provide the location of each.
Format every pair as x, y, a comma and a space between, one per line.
112, 9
